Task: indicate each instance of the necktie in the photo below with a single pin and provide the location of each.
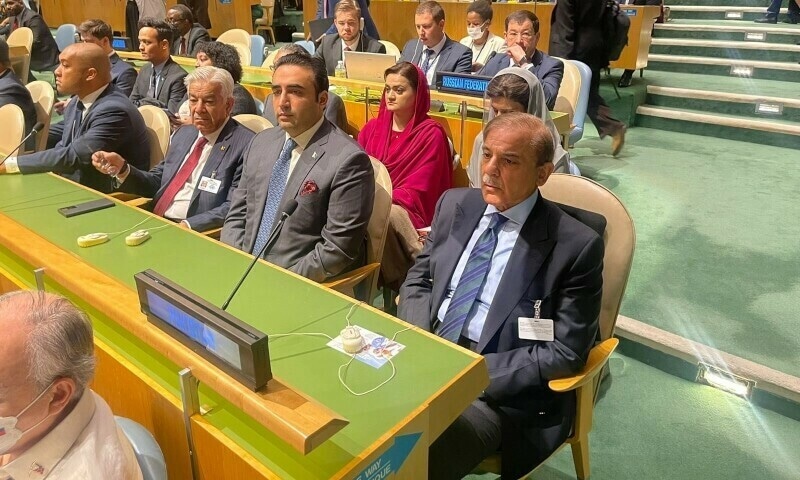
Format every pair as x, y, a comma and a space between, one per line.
428, 60
182, 49
277, 185
347, 49
151, 92
180, 178
76, 124
471, 281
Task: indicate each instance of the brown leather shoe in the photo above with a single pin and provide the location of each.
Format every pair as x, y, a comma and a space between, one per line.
617, 141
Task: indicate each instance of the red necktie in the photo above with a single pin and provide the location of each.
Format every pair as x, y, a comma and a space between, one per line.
182, 50
180, 178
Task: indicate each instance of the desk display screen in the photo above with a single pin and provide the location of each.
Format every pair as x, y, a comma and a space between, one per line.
120, 43
464, 84
219, 345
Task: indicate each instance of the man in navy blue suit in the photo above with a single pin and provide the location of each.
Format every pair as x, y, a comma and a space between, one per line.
522, 35
511, 276
204, 161
433, 51
123, 75
100, 118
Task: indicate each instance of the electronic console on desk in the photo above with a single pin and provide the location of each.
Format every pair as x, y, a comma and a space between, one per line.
231, 345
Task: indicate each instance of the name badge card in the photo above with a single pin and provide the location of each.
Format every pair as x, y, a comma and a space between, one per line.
209, 185
540, 329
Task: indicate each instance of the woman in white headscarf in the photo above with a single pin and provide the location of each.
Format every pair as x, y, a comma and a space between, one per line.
516, 89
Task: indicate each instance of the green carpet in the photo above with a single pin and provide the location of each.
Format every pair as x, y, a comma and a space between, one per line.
717, 256
650, 425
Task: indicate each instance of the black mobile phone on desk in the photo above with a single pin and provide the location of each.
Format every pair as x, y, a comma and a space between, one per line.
85, 207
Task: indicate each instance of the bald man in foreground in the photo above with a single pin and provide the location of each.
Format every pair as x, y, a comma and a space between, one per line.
99, 118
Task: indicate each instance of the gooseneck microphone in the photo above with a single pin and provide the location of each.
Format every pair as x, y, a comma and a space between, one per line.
488, 59
36, 129
273, 237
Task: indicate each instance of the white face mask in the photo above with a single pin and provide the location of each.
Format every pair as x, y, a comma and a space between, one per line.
9, 433
475, 32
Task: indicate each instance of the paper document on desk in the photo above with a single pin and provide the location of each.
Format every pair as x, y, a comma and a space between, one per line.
377, 349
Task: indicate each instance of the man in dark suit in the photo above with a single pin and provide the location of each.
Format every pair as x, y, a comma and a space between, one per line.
308, 160
347, 19
577, 34
100, 118
189, 34
203, 165
522, 35
509, 275
199, 10
627, 75
44, 51
433, 51
123, 75
326, 8
160, 81
13, 92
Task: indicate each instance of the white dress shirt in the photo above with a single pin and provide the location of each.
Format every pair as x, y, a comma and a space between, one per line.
352, 45
437, 49
506, 239
12, 165
180, 205
302, 141
86, 445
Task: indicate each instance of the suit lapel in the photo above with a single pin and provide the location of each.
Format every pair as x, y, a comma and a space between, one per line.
218, 153
465, 218
312, 154
532, 248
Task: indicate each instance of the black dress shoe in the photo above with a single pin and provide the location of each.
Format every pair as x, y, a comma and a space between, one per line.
625, 79
766, 19
792, 20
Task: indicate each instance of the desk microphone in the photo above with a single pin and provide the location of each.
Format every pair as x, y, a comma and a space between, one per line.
273, 237
491, 56
36, 129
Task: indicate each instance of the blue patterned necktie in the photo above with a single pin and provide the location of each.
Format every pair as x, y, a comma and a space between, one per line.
76, 124
426, 65
471, 281
277, 185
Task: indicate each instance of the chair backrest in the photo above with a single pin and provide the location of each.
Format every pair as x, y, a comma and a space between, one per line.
308, 45
235, 35
379, 221
43, 98
148, 453
21, 36
13, 121
269, 10
270, 59
569, 91
158, 131
256, 50
391, 48
65, 35
579, 117
619, 237
243, 51
256, 123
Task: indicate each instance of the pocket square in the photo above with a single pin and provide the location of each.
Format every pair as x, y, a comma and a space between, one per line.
309, 187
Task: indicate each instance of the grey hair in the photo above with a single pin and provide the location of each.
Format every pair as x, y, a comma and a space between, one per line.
212, 75
60, 343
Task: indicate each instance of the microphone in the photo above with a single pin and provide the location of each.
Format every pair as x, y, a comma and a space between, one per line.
491, 56
36, 129
273, 237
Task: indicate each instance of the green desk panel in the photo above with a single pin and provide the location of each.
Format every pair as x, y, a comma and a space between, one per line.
270, 300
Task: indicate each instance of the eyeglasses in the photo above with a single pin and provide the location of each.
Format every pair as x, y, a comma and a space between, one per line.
526, 35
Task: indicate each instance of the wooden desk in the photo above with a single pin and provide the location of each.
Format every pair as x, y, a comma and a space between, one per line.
137, 371
635, 54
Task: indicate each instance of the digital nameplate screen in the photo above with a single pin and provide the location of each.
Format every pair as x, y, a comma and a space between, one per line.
462, 84
123, 44
231, 345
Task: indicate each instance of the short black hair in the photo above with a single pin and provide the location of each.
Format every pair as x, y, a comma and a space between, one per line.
315, 64
223, 56
433, 8
519, 16
163, 29
482, 8
186, 13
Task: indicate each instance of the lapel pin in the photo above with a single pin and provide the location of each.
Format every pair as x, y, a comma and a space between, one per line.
314, 155
222, 147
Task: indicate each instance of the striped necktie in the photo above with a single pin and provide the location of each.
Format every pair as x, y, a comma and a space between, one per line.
277, 185
471, 281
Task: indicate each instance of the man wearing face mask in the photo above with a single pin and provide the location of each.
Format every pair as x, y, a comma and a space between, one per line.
51, 424
479, 39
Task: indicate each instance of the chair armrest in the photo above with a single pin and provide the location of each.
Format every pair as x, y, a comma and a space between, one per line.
598, 357
213, 233
352, 278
